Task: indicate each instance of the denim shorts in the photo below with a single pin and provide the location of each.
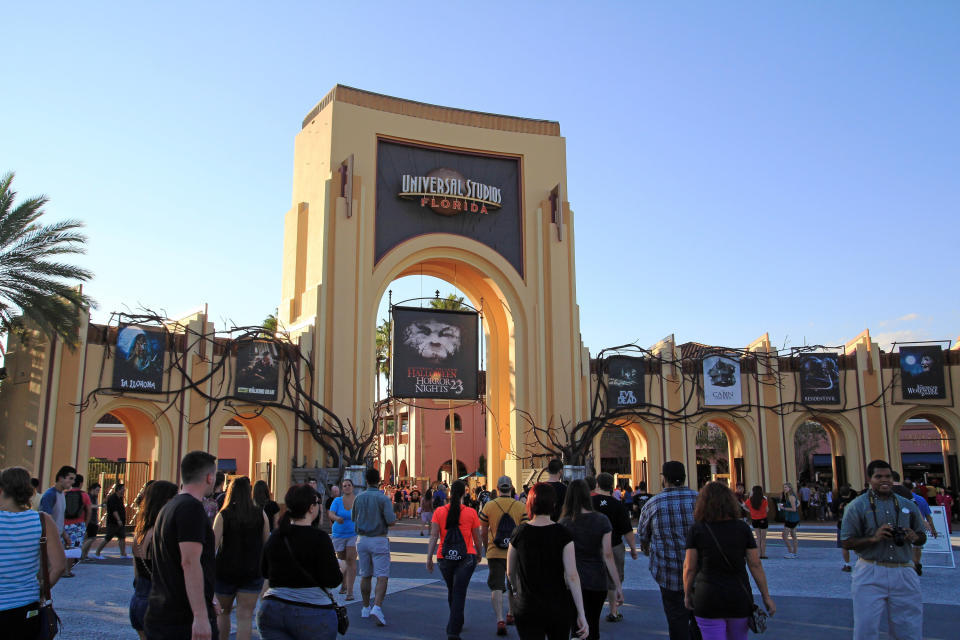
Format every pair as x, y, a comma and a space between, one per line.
278, 620
138, 601
227, 588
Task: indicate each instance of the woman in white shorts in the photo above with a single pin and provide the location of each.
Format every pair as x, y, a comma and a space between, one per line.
344, 535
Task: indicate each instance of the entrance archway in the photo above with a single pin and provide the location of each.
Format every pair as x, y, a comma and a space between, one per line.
491, 287
615, 455
149, 437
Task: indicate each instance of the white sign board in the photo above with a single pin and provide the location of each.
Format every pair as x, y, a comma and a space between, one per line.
937, 552
721, 381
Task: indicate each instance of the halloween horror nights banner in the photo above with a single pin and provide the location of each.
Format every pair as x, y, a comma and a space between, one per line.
921, 372
819, 378
257, 371
435, 353
139, 359
422, 189
721, 380
624, 382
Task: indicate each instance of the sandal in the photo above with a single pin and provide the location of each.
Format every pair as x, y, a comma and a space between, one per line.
614, 618
349, 597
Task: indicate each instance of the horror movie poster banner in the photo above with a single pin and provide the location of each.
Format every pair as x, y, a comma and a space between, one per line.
721, 380
819, 378
624, 382
435, 353
139, 359
423, 190
257, 371
921, 372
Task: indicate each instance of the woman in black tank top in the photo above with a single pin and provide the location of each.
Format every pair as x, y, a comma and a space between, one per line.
240, 529
154, 497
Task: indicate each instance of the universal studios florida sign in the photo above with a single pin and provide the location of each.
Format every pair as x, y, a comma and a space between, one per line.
448, 193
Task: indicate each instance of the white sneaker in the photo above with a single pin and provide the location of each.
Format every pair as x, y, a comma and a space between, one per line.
98, 557
365, 612
377, 613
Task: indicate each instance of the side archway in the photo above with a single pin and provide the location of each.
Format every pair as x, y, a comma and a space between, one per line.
743, 450
947, 424
150, 435
270, 442
844, 443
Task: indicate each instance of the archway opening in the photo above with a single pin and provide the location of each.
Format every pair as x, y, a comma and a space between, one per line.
928, 453
443, 473
249, 444
713, 454
233, 449
485, 430
123, 449
615, 456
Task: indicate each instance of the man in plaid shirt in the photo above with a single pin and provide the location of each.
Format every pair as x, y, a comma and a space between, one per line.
664, 522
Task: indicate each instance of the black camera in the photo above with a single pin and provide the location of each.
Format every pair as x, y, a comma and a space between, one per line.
899, 536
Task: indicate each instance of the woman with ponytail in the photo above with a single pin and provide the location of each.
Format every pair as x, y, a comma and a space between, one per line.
300, 565
457, 528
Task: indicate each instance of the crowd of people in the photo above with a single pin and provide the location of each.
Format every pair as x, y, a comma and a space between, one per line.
556, 550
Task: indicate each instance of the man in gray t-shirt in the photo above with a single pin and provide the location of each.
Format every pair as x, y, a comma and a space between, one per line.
53, 501
373, 515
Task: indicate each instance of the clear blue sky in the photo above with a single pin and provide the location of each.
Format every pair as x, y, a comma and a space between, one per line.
735, 168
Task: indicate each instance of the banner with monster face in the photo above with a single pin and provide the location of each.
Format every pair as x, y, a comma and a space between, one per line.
721, 381
435, 353
921, 372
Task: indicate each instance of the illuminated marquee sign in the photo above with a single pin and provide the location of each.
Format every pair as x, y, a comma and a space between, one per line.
448, 193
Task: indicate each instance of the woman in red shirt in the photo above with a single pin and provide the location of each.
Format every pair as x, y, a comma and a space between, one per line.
757, 504
460, 558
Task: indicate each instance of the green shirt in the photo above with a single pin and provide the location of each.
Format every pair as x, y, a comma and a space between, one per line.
859, 522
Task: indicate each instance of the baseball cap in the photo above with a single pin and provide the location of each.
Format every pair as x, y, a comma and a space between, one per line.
504, 482
674, 471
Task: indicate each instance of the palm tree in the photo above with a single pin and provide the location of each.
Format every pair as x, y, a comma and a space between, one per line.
34, 285
450, 303
383, 352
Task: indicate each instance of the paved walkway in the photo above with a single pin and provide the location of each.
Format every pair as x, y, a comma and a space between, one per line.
812, 596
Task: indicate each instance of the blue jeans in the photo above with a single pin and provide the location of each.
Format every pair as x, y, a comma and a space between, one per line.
678, 616
283, 621
457, 573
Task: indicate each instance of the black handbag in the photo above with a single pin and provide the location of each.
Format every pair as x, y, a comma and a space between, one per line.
757, 620
50, 623
343, 620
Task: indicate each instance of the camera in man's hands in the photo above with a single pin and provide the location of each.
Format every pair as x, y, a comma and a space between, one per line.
899, 536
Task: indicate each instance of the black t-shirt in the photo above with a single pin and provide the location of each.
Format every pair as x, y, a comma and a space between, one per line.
540, 574
313, 554
115, 506
617, 513
720, 590
561, 490
587, 532
398, 496
183, 519
271, 509
415, 496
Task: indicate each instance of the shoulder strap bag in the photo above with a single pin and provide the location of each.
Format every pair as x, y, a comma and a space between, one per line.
50, 623
757, 620
343, 620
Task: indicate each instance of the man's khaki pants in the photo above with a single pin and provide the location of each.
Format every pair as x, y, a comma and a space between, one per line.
891, 593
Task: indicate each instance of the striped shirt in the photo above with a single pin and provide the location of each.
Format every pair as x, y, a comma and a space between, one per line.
664, 523
19, 558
